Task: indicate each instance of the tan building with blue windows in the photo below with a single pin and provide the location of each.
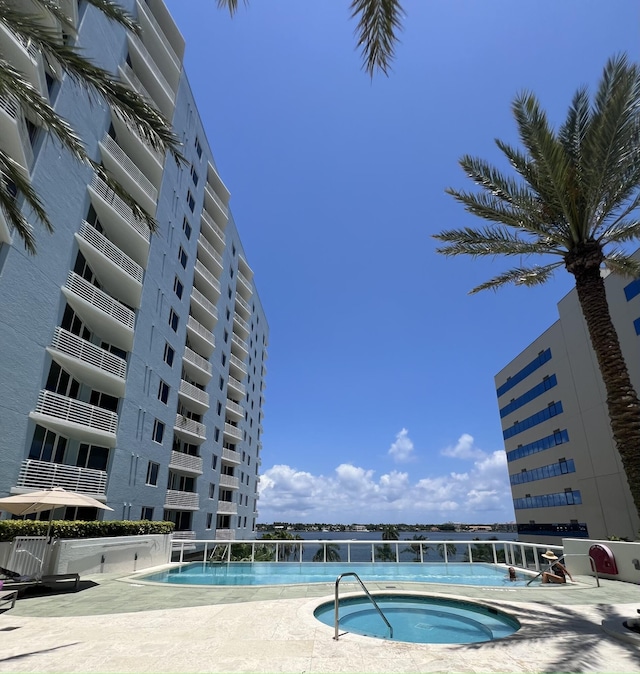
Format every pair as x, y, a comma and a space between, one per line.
566, 475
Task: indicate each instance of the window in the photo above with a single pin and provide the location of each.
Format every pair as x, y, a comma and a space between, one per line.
194, 176
186, 227
224, 359
209, 520
216, 434
178, 288
169, 353
182, 257
214, 462
158, 431
152, 473
212, 490
191, 201
219, 408
47, 446
174, 319
146, 513
226, 336
163, 392
198, 148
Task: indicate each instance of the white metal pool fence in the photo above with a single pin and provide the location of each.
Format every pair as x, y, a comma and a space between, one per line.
512, 553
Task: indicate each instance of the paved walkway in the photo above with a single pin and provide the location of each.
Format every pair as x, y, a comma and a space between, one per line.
115, 626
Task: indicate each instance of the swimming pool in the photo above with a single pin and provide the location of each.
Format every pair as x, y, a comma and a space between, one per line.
419, 619
285, 573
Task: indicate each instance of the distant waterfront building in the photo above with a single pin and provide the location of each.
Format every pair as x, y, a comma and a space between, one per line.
133, 364
566, 475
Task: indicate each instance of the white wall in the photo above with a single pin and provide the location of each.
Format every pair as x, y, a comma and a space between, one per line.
623, 552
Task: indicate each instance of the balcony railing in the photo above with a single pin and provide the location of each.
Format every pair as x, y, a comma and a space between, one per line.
216, 230
227, 508
233, 431
208, 306
244, 346
211, 193
45, 475
208, 249
211, 283
231, 456
102, 244
148, 15
181, 500
243, 284
15, 135
186, 462
76, 412
225, 534
202, 363
107, 194
243, 304
237, 363
190, 427
194, 392
235, 408
244, 326
229, 482
76, 347
141, 57
236, 385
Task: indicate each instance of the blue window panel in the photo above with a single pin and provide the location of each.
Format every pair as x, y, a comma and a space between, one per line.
632, 289
557, 438
539, 417
556, 500
636, 325
544, 472
531, 394
563, 529
537, 362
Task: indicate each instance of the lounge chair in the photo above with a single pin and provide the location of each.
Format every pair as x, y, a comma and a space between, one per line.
14, 581
8, 600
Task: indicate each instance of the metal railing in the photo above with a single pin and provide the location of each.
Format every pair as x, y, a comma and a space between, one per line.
186, 462
371, 599
190, 426
197, 360
76, 412
236, 385
127, 164
232, 431
100, 242
231, 456
194, 392
66, 342
210, 191
110, 197
209, 221
36, 474
208, 277
208, 248
100, 300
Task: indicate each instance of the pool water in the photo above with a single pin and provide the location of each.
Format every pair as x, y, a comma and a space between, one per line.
419, 619
282, 573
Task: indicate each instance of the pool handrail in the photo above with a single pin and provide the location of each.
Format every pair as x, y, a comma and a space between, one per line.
371, 599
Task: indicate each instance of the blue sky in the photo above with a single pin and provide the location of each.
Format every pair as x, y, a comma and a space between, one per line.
380, 399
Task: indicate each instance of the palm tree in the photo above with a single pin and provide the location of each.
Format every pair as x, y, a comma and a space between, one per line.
415, 548
62, 57
390, 532
574, 199
450, 547
379, 22
332, 553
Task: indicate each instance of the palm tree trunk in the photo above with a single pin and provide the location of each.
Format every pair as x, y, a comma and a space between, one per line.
622, 400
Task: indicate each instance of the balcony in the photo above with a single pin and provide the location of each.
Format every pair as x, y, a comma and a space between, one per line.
192, 431
225, 535
203, 310
241, 326
151, 77
120, 166
237, 367
236, 411
158, 45
103, 315
88, 363
118, 274
5, 231
181, 500
242, 306
213, 232
231, 456
232, 431
215, 181
194, 399
239, 346
25, 57
14, 135
236, 386
214, 206
76, 419
227, 508
229, 482
198, 368
40, 475
209, 255
243, 286
206, 282
130, 235
200, 338
185, 463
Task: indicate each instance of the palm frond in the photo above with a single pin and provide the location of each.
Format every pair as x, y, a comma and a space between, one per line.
379, 22
622, 232
520, 276
621, 263
489, 241
574, 130
13, 184
114, 12
231, 5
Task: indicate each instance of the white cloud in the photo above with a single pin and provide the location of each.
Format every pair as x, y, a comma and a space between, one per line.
355, 494
402, 449
464, 449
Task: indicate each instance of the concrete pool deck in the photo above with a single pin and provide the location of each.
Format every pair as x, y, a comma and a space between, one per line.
114, 626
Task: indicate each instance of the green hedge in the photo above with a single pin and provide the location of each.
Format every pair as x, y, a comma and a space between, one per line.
9, 529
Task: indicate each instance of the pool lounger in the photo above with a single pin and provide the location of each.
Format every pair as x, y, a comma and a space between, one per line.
8, 600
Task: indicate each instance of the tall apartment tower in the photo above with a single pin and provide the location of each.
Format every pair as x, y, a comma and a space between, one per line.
566, 474
133, 363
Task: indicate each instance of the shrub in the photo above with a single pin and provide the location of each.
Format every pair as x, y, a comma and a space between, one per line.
9, 529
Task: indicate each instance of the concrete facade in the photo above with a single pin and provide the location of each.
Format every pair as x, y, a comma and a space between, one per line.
566, 474
133, 362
